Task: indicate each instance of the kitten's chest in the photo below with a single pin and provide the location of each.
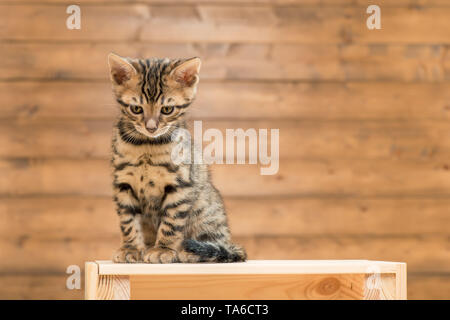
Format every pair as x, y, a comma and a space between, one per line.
150, 181
147, 180
148, 170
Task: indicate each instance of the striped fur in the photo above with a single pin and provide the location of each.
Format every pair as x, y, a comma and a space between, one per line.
168, 213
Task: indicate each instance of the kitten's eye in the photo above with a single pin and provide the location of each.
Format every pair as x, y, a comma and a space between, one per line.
167, 110
136, 109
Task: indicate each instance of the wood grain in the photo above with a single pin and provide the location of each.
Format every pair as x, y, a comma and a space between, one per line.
47, 217
295, 178
242, 61
45, 286
409, 249
384, 3
380, 287
428, 287
52, 286
247, 287
91, 280
249, 100
335, 216
111, 287
299, 139
252, 267
203, 23
254, 279
422, 253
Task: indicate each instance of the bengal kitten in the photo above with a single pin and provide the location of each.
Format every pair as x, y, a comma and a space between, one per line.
168, 213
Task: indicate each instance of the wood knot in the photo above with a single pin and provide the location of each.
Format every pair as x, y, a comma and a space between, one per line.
328, 286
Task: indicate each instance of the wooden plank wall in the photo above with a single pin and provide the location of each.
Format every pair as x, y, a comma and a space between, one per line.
363, 118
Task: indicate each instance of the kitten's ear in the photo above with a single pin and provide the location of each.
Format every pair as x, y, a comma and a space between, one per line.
186, 74
120, 69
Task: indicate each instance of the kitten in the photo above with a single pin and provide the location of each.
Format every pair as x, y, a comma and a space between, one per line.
168, 213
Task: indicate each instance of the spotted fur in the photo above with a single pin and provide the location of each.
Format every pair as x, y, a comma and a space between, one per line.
168, 213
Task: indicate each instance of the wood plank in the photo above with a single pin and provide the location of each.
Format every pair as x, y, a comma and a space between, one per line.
199, 23
299, 139
397, 23
337, 216
248, 287
25, 254
383, 3
252, 267
258, 24
295, 178
381, 287
206, 23
333, 177
89, 100
241, 100
346, 247
25, 176
37, 286
241, 61
112, 288
52, 286
401, 279
91, 280
35, 22
428, 286
431, 253
60, 217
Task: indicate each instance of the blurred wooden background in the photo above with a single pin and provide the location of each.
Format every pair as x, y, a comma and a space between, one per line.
363, 118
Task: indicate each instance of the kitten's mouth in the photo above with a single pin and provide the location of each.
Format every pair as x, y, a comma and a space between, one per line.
158, 133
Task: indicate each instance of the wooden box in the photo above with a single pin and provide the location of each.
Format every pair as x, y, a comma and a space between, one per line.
257, 279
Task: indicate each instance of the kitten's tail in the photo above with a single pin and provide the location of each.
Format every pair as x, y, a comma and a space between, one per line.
214, 252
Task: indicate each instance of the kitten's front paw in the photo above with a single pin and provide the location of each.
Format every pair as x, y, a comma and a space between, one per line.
127, 256
160, 255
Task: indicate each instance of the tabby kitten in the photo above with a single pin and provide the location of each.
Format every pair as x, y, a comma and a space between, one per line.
168, 213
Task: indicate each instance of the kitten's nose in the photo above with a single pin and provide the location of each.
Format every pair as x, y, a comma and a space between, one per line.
152, 125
